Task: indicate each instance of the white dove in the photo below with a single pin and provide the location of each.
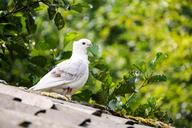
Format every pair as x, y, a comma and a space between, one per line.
70, 75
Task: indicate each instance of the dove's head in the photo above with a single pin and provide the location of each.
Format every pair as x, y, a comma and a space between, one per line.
80, 46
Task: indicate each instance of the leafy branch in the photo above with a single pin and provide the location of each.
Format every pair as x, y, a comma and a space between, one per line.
36, 3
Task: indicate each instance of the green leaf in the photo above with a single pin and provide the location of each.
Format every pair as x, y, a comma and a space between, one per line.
71, 36
131, 99
30, 23
157, 78
112, 104
35, 5
39, 60
141, 66
63, 55
9, 30
116, 104
127, 85
21, 50
151, 102
142, 110
59, 21
94, 50
46, 1
18, 25
103, 76
60, 3
2, 48
102, 96
79, 7
3, 4
83, 95
158, 59
4, 58
51, 11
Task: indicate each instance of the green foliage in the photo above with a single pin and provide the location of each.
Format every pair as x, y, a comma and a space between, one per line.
140, 62
157, 78
51, 11
59, 21
127, 85
158, 59
24, 44
152, 110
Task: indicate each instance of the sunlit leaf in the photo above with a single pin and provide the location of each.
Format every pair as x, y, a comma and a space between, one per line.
79, 7
71, 36
131, 99
158, 59
141, 66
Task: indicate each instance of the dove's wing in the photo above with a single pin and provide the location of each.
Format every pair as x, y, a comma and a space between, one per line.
64, 73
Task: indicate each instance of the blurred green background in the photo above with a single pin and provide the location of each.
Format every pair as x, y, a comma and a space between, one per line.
141, 62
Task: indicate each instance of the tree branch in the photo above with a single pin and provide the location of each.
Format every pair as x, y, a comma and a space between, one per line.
19, 9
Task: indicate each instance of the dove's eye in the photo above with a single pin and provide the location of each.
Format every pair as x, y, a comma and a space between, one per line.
83, 43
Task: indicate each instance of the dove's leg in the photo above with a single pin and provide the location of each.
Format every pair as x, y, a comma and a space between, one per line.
67, 92
55, 95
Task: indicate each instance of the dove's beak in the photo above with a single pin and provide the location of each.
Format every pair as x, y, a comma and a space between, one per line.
89, 45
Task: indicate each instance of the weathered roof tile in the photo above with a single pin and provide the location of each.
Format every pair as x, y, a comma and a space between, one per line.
20, 108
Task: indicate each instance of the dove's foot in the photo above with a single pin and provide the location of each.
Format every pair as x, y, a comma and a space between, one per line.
56, 96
